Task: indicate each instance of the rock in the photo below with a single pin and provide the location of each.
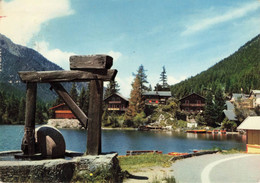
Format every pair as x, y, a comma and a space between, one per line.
50, 142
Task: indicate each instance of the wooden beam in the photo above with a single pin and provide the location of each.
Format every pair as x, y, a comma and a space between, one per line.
85, 62
80, 115
28, 144
95, 113
67, 76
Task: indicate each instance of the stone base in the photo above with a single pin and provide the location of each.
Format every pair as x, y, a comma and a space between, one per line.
59, 170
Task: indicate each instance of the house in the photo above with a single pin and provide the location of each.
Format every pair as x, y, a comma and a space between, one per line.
156, 97
252, 126
192, 103
255, 97
116, 102
62, 111
241, 100
230, 111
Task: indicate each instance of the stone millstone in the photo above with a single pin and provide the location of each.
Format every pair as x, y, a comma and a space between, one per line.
50, 142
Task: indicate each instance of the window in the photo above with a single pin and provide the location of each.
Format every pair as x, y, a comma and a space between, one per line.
187, 101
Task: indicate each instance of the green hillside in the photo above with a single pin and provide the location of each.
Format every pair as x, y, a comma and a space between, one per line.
239, 71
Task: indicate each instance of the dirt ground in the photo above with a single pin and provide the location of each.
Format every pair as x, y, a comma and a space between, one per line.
149, 174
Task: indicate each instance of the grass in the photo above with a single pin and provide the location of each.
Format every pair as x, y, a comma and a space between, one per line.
232, 151
170, 179
135, 163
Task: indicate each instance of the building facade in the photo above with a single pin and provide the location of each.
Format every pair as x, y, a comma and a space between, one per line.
116, 102
62, 111
192, 103
156, 97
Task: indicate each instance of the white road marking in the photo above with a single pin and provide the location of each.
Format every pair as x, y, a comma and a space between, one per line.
206, 171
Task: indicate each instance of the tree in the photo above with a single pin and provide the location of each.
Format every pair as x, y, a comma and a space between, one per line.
209, 114
74, 92
21, 114
136, 104
142, 78
84, 99
112, 88
219, 105
163, 78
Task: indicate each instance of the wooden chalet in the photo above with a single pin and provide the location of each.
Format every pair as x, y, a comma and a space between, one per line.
252, 126
62, 111
116, 102
192, 103
156, 97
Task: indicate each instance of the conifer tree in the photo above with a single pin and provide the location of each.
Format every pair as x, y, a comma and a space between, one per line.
136, 104
21, 114
74, 92
163, 78
84, 99
142, 77
112, 88
209, 113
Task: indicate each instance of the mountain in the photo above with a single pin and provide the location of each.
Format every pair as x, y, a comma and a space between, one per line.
16, 58
238, 72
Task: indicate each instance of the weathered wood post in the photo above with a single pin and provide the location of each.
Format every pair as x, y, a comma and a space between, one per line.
98, 64
28, 144
94, 120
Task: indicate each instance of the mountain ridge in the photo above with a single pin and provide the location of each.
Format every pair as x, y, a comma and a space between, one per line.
239, 71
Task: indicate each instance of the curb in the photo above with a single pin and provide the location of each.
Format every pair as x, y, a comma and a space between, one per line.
192, 155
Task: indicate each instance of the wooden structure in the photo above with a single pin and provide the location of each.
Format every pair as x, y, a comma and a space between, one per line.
62, 111
192, 103
156, 97
116, 102
252, 126
93, 69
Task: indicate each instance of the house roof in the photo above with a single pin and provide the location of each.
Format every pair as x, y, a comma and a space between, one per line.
230, 115
54, 107
236, 96
229, 105
192, 94
118, 94
159, 93
250, 123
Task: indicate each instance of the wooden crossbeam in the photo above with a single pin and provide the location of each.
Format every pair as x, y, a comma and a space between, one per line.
86, 62
80, 115
67, 76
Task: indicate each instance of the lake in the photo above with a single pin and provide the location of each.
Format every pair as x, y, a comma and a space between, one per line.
122, 140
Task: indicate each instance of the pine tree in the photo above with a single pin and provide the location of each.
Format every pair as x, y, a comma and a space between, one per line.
21, 114
84, 99
142, 77
112, 88
209, 113
74, 92
219, 105
163, 78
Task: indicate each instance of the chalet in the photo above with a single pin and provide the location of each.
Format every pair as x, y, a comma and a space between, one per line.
255, 97
62, 111
192, 103
252, 126
116, 102
156, 97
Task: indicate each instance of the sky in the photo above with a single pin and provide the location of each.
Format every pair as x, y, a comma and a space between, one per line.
185, 36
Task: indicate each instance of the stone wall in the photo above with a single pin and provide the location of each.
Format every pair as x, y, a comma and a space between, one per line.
65, 123
59, 170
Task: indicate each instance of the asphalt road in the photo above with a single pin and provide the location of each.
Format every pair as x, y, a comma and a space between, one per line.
218, 168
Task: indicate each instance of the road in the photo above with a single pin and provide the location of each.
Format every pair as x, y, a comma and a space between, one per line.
218, 168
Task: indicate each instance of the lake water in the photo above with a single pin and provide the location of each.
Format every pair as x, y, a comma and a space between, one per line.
122, 140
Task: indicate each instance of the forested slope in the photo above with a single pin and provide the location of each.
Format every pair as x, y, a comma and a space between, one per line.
239, 71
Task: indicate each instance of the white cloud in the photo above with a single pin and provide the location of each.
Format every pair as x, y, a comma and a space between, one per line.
172, 80
24, 17
115, 55
230, 15
57, 56
125, 85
